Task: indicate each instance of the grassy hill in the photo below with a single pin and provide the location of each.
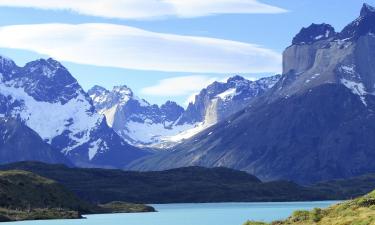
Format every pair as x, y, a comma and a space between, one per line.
360, 211
27, 196
192, 184
24, 196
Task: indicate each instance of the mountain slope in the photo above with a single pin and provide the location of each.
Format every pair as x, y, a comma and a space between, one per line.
45, 96
20, 143
290, 139
315, 124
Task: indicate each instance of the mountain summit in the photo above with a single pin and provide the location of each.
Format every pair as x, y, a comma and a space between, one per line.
367, 10
313, 33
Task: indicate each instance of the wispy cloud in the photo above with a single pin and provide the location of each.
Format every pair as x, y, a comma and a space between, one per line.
132, 48
179, 86
146, 9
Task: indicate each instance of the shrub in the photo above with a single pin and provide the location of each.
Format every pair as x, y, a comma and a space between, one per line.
300, 215
316, 215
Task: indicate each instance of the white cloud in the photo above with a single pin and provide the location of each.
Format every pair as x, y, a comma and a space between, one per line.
179, 86
132, 48
146, 9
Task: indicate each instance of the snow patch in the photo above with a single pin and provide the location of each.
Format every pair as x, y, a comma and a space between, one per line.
187, 133
348, 69
228, 94
94, 147
52, 119
110, 115
357, 88
149, 132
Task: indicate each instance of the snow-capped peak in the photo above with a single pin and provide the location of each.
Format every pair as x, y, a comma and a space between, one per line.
47, 98
48, 68
122, 93
235, 79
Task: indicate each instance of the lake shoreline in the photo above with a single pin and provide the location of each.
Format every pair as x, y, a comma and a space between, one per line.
193, 213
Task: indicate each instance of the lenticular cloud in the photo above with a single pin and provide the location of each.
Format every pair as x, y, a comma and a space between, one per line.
133, 48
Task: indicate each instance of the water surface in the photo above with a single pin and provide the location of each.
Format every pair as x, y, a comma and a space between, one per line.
195, 214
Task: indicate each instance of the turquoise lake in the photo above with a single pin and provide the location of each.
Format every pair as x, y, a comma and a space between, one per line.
194, 214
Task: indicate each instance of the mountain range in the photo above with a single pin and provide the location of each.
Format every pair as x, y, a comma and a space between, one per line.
45, 97
142, 124
316, 123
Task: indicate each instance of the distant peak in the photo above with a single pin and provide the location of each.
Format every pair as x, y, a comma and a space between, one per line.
122, 90
367, 9
47, 67
49, 63
170, 104
97, 89
313, 33
235, 78
54, 62
6, 62
362, 26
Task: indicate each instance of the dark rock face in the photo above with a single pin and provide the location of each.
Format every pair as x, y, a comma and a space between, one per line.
313, 33
363, 25
19, 143
316, 123
171, 110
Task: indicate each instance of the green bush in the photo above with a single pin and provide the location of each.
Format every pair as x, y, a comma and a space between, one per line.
316, 215
300, 215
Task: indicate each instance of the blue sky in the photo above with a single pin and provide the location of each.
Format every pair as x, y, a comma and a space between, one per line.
165, 40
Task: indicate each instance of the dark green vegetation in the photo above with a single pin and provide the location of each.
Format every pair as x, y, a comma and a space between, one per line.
347, 188
192, 184
123, 207
26, 196
360, 211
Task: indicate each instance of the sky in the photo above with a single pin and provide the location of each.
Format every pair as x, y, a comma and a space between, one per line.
162, 49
